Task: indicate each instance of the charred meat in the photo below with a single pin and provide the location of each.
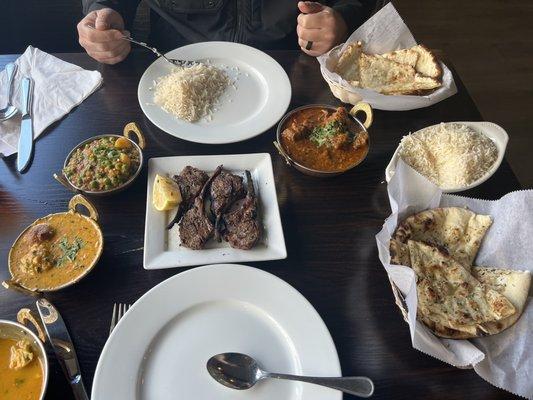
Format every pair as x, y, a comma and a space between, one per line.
190, 181
196, 228
242, 229
226, 188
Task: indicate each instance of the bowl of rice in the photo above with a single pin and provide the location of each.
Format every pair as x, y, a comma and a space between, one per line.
455, 156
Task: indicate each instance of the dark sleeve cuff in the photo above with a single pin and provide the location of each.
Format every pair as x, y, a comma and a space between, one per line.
94, 5
354, 13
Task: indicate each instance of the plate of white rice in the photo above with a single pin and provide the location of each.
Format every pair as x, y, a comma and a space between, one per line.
234, 92
455, 156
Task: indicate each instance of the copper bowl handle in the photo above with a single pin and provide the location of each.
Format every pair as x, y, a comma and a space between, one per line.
80, 200
132, 127
64, 181
24, 315
282, 153
364, 107
12, 285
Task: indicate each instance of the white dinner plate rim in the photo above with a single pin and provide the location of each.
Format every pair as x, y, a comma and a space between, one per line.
498, 136
281, 103
267, 277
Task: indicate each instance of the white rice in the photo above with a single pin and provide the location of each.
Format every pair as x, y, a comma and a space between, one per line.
191, 93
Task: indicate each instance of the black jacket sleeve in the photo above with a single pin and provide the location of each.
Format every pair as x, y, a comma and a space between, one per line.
354, 12
126, 8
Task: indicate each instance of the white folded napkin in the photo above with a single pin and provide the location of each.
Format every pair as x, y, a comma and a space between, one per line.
58, 87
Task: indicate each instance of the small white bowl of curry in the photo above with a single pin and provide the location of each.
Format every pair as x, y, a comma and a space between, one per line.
322, 140
56, 251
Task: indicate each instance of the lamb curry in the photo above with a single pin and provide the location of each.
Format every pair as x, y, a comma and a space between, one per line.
324, 140
21, 373
55, 251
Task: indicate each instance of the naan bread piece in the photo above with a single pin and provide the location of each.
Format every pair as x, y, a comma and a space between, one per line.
449, 296
377, 72
420, 85
514, 285
404, 56
455, 230
427, 64
348, 64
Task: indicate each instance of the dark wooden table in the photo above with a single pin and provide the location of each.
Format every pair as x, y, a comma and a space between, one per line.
329, 227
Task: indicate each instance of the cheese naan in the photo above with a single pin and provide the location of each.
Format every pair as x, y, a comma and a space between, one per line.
455, 230
450, 297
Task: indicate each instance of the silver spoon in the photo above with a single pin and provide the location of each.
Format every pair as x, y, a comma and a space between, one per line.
239, 371
173, 61
10, 110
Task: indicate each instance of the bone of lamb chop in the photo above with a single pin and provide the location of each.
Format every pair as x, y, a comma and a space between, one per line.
226, 188
190, 181
242, 229
195, 228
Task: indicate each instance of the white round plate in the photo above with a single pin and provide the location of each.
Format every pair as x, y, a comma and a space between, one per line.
260, 98
494, 132
159, 349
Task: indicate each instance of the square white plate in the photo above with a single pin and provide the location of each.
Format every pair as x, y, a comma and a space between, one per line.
162, 247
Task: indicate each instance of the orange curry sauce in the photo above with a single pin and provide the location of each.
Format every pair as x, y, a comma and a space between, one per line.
340, 151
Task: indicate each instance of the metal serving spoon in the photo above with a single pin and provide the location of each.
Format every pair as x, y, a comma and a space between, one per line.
10, 110
173, 61
239, 371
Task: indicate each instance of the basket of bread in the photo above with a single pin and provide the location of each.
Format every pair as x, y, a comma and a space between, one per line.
460, 271
382, 64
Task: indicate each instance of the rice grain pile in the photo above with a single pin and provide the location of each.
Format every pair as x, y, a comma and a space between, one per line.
191, 93
450, 155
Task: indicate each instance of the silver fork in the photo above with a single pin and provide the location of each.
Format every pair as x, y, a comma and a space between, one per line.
173, 61
119, 309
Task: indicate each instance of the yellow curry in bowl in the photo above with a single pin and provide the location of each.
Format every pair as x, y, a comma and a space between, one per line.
56, 250
21, 371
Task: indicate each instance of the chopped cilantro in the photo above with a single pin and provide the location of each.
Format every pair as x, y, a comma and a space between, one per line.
19, 381
69, 251
323, 134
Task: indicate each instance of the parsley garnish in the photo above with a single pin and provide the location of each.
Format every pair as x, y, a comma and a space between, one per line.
323, 134
70, 251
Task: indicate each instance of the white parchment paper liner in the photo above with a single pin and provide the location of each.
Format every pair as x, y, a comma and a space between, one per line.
505, 360
385, 31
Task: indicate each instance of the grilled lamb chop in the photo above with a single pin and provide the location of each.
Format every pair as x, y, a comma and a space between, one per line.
242, 229
226, 188
195, 227
190, 181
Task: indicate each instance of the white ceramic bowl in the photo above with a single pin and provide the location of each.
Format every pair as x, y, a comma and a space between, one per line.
494, 132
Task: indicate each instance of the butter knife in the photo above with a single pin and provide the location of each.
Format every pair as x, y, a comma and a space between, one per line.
25, 148
59, 338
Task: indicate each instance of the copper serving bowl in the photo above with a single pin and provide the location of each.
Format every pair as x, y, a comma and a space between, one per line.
130, 128
18, 331
359, 107
92, 219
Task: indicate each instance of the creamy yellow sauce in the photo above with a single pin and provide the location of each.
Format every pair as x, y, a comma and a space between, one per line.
23, 384
56, 269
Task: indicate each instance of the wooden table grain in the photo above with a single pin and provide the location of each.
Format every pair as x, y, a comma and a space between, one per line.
329, 227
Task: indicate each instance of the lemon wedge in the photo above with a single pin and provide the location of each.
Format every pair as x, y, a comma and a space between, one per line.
166, 193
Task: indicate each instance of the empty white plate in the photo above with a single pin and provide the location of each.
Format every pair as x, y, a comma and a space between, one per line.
162, 247
159, 349
259, 99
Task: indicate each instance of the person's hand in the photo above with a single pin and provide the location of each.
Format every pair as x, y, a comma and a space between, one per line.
100, 34
321, 25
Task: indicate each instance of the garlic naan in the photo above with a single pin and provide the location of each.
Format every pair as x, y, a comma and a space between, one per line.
456, 230
514, 285
449, 297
